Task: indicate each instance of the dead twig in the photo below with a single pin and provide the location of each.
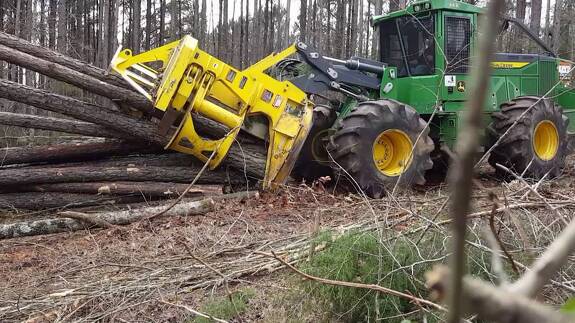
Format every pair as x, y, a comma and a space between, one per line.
556, 255
496, 206
193, 311
543, 199
466, 148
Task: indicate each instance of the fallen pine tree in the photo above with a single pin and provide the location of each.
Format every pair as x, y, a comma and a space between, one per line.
131, 156
147, 189
72, 221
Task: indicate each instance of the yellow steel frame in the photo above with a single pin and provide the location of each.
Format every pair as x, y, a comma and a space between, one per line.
191, 82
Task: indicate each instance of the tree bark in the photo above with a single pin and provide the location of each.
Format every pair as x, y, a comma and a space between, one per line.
49, 226
48, 200
147, 189
162, 21
81, 110
557, 26
137, 23
39, 175
139, 158
252, 158
148, 24
303, 20
71, 152
536, 16
70, 76
375, 43
493, 304
286, 42
57, 124
62, 30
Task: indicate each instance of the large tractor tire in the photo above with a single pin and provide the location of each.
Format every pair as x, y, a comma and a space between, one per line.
313, 161
536, 145
381, 144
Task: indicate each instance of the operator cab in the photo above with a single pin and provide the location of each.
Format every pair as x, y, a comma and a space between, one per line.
436, 37
410, 39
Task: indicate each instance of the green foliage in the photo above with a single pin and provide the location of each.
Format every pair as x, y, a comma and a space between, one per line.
354, 258
224, 308
569, 306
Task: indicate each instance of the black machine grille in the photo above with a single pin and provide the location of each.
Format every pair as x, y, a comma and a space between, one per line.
457, 44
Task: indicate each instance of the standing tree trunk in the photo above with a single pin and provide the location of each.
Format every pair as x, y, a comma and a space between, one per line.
105, 33
536, 16
272, 27
360, 29
30, 75
242, 33
226, 37
520, 10
137, 20
247, 32
173, 20
303, 20
547, 22
353, 29
162, 21
314, 35
557, 26
266, 25
375, 44
14, 70
62, 30
148, 24
286, 40
328, 40
340, 29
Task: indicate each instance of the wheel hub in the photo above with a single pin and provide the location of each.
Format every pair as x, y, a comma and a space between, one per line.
392, 152
318, 144
545, 140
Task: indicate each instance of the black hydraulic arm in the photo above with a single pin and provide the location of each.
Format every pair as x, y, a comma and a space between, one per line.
528, 32
338, 75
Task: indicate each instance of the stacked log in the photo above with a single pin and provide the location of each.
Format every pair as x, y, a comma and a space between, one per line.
122, 159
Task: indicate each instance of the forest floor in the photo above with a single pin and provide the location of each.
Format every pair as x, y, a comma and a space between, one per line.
167, 268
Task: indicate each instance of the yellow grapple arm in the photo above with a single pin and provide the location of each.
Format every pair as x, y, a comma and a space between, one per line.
184, 81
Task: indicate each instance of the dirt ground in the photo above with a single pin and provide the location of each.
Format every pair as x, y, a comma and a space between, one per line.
32, 267
162, 270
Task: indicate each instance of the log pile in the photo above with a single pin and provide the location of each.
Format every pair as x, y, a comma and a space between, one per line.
122, 159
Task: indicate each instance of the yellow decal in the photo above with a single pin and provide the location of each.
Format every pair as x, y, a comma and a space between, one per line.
509, 64
461, 86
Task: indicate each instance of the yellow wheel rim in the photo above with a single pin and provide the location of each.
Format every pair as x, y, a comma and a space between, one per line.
392, 152
545, 140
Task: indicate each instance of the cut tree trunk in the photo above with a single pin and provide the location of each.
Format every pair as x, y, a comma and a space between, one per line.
39, 175
139, 159
50, 200
250, 157
57, 124
147, 189
48, 226
71, 152
81, 110
52, 56
83, 81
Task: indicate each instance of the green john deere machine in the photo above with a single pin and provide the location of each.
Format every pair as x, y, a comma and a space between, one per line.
386, 122
426, 50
